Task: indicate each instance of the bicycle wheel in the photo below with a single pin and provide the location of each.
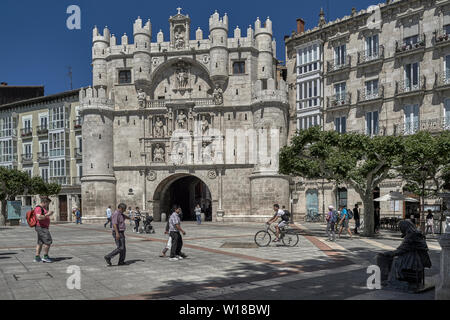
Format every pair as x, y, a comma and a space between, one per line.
262, 238
290, 239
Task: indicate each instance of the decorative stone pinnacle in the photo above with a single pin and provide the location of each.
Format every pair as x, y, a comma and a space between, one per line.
179, 10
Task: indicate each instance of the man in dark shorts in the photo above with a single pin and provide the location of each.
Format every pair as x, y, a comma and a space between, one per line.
44, 238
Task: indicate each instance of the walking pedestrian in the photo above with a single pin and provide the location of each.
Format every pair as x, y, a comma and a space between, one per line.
430, 222
177, 241
344, 222
331, 217
137, 219
108, 217
198, 214
118, 220
44, 238
377, 220
357, 218
168, 244
78, 215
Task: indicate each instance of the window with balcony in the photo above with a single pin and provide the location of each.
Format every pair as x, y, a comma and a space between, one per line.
308, 59
57, 118
7, 126
411, 77
340, 55
340, 91
371, 89
43, 122
372, 127
340, 124
239, 67
27, 150
411, 119
372, 47
124, 76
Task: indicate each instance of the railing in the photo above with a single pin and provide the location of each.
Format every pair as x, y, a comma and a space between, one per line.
441, 37
58, 180
339, 100
442, 79
402, 87
43, 156
76, 181
432, 125
77, 123
403, 47
57, 153
26, 132
196, 101
368, 56
334, 66
42, 130
11, 133
27, 157
78, 153
8, 158
364, 95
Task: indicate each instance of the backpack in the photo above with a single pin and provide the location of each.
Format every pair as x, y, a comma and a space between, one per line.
334, 216
31, 217
286, 216
349, 214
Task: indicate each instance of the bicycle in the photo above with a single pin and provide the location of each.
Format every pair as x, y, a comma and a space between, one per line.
287, 236
313, 216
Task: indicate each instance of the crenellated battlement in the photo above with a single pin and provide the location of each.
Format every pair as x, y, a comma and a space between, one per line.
272, 92
260, 29
215, 22
96, 98
98, 38
138, 29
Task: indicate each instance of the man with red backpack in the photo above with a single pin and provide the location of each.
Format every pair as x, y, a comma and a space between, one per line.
44, 239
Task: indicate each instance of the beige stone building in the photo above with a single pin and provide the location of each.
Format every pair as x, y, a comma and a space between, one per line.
181, 121
380, 71
42, 136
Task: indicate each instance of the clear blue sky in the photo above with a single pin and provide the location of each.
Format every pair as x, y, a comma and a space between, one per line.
36, 47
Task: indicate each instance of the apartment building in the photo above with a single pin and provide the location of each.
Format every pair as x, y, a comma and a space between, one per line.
384, 70
42, 136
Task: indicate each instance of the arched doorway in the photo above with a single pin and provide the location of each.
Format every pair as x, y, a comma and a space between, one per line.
185, 191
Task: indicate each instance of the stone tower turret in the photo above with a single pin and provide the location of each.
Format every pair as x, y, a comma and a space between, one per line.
98, 184
142, 42
263, 38
218, 29
100, 45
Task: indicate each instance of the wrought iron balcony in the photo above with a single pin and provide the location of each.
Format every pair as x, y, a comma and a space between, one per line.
339, 100
365, 96
43, 156
431, 125
42, 130
367, 57
442, 80
407, 88
334, 66
27, 158
441, 38
402, 48
77, 123
26, 133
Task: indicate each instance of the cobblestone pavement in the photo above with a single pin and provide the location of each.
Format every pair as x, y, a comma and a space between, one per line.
314, 269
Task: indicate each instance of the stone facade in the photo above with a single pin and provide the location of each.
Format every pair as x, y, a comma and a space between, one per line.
207, 115
380, 71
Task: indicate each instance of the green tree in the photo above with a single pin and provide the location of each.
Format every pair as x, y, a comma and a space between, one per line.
424, 165
357, 160
14, 182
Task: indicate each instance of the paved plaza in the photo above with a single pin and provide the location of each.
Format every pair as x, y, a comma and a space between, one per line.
215, 268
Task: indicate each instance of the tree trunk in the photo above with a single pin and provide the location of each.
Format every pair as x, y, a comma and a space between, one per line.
369, 216
3, 215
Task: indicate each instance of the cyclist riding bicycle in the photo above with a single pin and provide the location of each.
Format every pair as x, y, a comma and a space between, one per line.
284, 220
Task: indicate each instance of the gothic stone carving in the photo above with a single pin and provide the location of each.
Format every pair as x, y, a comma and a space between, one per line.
142, 96
159, 128
218, 95
158, 153
182, 120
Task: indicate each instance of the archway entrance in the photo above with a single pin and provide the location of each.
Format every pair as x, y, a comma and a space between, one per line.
185, 191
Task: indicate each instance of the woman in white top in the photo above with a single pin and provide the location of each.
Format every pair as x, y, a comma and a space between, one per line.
198, 214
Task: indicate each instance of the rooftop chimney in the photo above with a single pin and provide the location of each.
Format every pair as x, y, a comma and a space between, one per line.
300, 25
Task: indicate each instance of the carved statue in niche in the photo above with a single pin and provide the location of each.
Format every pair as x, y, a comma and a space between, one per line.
158, 154
179, 37
207, 151
205, 125
180, 152
159, 128
218, 95
142, 96
182, 120
182, 75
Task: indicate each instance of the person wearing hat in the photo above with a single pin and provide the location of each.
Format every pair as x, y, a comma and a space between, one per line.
331, 218
44, 238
